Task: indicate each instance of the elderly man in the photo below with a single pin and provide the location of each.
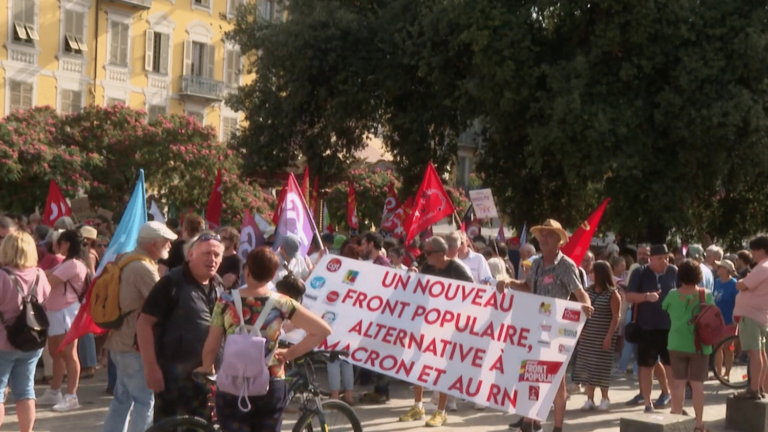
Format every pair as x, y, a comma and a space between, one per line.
696, 253
137, 277
586, 265
557, 276
438, 264
173, 327
527, 256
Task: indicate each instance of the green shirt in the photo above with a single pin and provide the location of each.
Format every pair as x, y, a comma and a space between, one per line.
680, 310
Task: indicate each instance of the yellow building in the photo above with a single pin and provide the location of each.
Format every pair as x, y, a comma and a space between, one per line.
163, 56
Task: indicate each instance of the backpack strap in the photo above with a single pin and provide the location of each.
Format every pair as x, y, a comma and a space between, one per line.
19, 289
262, 315
702, 302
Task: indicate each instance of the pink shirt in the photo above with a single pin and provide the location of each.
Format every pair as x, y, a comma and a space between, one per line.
753, 303
10, 302
50, 261
73, 272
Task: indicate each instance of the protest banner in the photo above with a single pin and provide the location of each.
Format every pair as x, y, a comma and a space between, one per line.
507, 351
482, 201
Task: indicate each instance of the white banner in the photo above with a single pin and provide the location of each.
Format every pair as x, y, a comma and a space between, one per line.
506, 351
482, 201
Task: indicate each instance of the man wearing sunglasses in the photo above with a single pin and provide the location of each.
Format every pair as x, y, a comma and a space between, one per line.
173, 327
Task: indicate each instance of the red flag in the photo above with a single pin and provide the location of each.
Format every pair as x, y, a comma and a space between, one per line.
279, 208
431, 204
213, 212
390, 207
314, 198
351, 208
55, 206
251, 235
578, 245
82, 324
305, 187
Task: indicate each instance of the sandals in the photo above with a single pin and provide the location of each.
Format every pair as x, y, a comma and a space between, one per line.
747, 394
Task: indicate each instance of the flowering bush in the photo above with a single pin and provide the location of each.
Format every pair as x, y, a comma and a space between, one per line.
99, 151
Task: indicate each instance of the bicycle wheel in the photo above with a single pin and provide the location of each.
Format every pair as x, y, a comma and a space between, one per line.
738, 378
339, 417
312, 377
182, 424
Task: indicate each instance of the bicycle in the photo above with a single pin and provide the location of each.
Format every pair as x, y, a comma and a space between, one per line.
730, 343
314, 412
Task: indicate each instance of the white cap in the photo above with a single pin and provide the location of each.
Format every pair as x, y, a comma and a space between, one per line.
156, 230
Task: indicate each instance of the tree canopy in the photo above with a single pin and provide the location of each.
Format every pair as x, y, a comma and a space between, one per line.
659, 105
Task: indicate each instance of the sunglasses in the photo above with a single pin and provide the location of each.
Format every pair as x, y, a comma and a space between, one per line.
208, 237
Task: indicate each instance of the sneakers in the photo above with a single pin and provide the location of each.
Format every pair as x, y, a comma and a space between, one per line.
649, 409
50, 397
532, 427
438, 419
637, 400
451, 405
662, 401
605, 404
69, 403
515, 427
589, 405
415, 413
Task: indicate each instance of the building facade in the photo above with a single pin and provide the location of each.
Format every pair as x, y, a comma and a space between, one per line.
163, 56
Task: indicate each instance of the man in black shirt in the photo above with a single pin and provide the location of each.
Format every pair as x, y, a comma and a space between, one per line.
173, 327
438, 264
231, 265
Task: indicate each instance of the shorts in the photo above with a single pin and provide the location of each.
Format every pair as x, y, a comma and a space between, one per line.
751, 334
61, 321
17, 369
652, 347
689, 366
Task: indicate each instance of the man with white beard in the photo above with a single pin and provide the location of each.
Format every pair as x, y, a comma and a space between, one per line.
137, 278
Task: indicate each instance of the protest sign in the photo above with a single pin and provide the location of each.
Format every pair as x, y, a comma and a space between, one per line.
482, 200
81, 208
507, 351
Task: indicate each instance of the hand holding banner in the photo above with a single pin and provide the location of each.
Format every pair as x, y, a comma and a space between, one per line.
508, 351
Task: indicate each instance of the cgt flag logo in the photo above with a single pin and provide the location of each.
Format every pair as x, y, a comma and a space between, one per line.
539, 371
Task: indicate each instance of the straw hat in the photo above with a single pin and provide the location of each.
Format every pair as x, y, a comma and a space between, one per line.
551, 225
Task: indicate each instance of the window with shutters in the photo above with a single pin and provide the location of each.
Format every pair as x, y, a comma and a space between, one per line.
157, 52
199, 59
271, 10
114, 101
232, 68
74, 32
202, 4
155, 111
24, 28
21, 95
71, 101
119, 33
229, 126
232, 7
197, 115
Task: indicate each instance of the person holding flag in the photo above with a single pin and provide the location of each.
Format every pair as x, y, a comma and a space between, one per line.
138, 274
553, 275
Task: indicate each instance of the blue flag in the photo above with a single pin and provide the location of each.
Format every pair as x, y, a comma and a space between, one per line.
524, 234
135, 215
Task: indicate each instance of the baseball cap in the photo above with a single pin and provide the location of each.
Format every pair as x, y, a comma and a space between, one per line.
728, 265
291, 245
156, 230
695, 251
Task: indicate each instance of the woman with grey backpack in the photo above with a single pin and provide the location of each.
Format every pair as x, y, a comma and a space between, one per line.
246, 399
21, 283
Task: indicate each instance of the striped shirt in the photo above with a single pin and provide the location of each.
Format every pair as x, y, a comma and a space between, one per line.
558, 280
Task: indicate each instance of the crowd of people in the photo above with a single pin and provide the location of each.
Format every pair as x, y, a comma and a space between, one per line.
179, 294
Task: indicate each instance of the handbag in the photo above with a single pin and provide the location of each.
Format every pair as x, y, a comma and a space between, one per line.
632, 331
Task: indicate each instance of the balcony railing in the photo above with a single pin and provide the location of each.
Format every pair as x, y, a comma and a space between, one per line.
206, 88
144, 4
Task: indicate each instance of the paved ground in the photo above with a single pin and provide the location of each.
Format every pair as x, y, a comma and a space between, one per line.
384, 417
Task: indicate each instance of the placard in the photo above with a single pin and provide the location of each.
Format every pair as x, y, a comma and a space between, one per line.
482, 201
81, 208
507, 351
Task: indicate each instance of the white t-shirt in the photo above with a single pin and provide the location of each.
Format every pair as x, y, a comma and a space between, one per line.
297, 265
478, 268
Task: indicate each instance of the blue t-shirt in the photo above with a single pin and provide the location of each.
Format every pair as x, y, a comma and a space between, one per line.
725, 298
